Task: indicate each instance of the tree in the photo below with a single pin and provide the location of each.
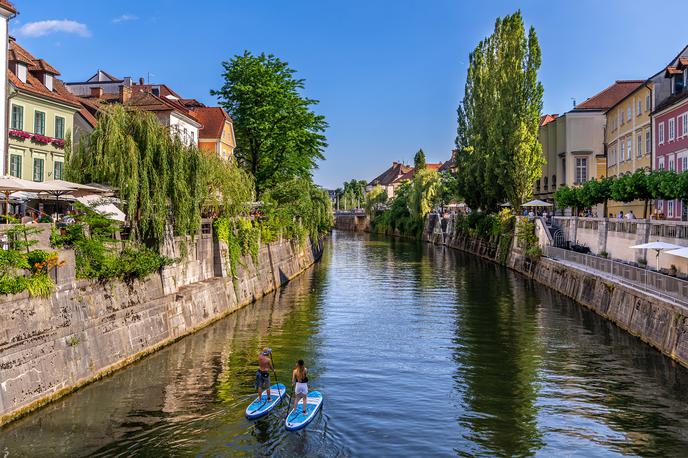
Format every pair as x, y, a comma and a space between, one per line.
422, 195
374, 199
278, 135
498, 151
566, 197
419, 160
596, 192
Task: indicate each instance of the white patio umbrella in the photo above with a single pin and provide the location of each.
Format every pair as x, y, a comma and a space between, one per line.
10, 184
78, 189
537, 203
681, 252
103, 205
657, 246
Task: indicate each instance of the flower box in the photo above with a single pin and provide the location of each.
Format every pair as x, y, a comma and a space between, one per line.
58, 142
19, 134
37, 138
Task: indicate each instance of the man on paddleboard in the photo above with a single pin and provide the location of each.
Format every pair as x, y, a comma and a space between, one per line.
263, 372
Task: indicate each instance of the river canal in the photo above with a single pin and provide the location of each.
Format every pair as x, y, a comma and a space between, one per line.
418, 350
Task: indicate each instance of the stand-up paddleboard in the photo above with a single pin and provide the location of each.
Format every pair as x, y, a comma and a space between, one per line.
297, 419
261, 406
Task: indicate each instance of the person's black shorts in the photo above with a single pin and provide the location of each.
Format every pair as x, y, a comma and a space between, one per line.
262, 379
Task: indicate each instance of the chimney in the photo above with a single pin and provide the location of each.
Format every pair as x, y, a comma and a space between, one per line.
124, 94
97, 92
142, 81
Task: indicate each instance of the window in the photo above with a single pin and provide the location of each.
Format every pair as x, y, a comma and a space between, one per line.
648, 142
647, 103
684, 124
678, 84
672, 130
639, 108
537, 186
622, 156
672, 166
554, 182
546, 184
670, 208
48, 81
621, 115
581, 170
629, 144
563, 168
17, 121
15, 165
639, 145
661, 133
21, 72
660, 205
661, 163
59, 127
57, 170
38, 169
193, 137
684, 163
629, 113
39, 123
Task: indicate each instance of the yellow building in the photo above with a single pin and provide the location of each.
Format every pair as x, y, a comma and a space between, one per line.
629, 141
217, 133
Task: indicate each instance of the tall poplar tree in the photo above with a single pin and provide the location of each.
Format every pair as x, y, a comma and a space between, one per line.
499, 156
419, 160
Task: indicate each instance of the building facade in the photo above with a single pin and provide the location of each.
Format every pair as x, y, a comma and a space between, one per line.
7, 12
574, 144
217, 133
41, 115
670, 129
629, 142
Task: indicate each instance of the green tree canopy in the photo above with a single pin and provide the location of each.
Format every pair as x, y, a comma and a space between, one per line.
278, 135
498, 152
419, 160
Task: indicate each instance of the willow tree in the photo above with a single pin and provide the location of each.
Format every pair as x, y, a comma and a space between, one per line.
159, 180
279, 136
498, 151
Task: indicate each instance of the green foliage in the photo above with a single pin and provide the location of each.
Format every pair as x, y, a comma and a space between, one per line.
423, 194
351, 195
419, 160
498, 152
278, 136
375, 199
98, 255
23, 269
448, 190
159, 179
527, 239
566, 197
241, 236
297, 209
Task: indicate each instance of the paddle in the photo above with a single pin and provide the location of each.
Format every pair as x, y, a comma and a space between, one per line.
279, 393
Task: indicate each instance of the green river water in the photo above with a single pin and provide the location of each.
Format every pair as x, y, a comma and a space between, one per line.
418, 351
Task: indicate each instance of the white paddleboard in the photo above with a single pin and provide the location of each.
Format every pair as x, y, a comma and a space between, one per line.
260, 406
297, 419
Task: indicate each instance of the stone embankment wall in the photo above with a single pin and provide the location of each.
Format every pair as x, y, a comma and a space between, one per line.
660, 323
85, 330
352, 222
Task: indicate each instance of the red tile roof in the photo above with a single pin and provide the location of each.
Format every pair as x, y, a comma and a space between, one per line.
390, 175
409, 175
8, 6
547, 118
213, 120
42, 66
609, 96
33, 85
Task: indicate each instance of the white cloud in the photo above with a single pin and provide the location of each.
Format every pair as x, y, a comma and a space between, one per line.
42, 28
124, 18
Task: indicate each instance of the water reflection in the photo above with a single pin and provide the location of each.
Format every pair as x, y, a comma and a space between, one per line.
419, 351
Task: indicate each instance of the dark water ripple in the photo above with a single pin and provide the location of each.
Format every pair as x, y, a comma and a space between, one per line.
420, 351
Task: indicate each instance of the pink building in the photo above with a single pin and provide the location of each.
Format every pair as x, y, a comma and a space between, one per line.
670, 125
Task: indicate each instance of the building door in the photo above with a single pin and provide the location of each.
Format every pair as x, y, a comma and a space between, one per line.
684, 210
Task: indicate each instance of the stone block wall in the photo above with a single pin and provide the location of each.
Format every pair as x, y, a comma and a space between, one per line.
51, 346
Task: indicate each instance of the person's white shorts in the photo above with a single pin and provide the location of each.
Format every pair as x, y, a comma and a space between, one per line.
302, 388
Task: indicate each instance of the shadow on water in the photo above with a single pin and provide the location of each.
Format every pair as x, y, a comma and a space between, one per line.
419, 351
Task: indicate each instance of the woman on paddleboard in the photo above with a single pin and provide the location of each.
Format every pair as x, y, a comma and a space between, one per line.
299, 376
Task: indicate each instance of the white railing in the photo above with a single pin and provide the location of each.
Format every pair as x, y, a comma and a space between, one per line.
671, 288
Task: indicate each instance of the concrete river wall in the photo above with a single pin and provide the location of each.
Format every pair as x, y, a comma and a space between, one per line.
85, 330
660, 323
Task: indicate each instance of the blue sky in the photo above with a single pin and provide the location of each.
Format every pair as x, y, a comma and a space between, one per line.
389, 74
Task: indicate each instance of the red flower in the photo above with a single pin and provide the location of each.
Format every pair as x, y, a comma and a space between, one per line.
20, 134
38, 138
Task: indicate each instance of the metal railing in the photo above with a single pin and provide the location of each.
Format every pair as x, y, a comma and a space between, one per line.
671, 288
